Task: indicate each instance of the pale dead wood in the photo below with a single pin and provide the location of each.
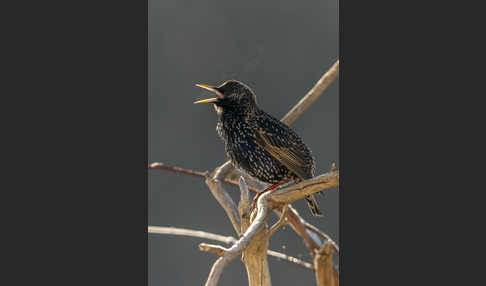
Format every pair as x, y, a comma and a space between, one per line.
217, 269
255, 229
258, 270
281, 221
223, 198
162, 166
255, 258
298, 191
325, 273
296, 221
290, 259
299, 225
212, 248
191, 233
244, 205
324, 236
255, 254
229, 180
226, 239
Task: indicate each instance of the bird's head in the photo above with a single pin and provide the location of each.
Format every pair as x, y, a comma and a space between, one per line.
231, 96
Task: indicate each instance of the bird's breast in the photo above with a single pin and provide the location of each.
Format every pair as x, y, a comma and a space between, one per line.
242, 149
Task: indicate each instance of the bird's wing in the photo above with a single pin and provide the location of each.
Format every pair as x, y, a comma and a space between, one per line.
288, 152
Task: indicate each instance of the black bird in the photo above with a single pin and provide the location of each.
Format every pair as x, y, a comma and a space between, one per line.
256, 142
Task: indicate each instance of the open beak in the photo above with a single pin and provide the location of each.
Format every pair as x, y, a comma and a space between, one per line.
210, 88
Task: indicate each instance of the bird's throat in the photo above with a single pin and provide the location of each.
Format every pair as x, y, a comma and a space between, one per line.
219, 110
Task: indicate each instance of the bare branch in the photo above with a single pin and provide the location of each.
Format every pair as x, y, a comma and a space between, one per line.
211, 248
324, 236
217, 269
244, 205
281, 221
228, 180
296, 222
225, 201
191, 233
298, 225
221, 238
299, 191
231, 253
255, 253
312, 95
162, 166
244, 194
291, 259
223, 170
234, 176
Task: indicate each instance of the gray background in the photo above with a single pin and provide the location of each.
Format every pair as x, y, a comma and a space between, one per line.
280, 49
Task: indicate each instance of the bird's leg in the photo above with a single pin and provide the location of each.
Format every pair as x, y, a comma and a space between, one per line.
271, 188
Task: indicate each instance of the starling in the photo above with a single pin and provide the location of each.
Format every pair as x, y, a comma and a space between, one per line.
256, 142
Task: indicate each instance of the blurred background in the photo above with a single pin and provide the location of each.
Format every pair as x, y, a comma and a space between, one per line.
280, 49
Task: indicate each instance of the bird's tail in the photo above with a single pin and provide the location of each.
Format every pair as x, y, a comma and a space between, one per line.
314, 208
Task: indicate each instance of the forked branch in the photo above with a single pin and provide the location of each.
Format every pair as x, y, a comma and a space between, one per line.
231, 253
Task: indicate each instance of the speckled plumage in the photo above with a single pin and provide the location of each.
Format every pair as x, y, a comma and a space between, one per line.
259, 144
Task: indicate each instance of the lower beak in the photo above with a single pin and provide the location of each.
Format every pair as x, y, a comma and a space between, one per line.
214, 99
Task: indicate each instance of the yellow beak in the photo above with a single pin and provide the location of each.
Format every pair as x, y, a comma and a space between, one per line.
210, 88
214, 99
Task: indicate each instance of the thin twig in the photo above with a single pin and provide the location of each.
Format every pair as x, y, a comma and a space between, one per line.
298, 225
312, 95
291, 259
221, 238
281, 221
162, 166
324, 236
191, 233
225, 201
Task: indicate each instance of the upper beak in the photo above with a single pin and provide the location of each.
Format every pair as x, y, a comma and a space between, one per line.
210, 88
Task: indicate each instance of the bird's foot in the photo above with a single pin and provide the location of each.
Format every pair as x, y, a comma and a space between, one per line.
269, 189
